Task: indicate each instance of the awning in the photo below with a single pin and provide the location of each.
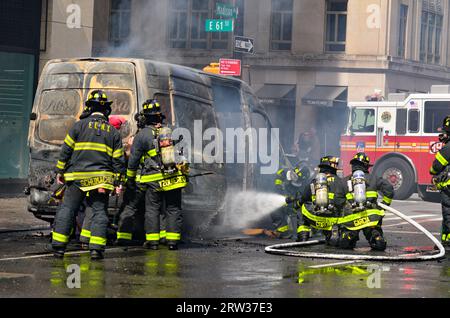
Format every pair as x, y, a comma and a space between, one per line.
325, 96
269, 93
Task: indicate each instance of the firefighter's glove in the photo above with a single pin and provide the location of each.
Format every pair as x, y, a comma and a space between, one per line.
183, 168
290, 199
60, 178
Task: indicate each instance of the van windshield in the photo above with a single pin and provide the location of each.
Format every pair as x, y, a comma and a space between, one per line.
66, 86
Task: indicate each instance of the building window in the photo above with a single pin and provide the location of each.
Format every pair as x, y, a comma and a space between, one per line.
431, 32
402, 30
281, 25
336, 26
187, 20
119, 26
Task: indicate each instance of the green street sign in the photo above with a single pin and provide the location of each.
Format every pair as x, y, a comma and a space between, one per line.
226, 10
219, 25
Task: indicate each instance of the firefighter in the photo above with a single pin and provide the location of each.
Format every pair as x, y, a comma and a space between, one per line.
160, 180
441, 179
322, 203
289, 183
85, 235
91, 164
364, 213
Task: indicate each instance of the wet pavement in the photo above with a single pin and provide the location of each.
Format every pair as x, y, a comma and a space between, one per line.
233, 267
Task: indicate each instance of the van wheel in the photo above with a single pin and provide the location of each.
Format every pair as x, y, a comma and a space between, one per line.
400, 175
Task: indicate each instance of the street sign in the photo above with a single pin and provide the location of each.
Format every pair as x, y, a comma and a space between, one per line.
226, 10
244, 45
230, 67
219, 25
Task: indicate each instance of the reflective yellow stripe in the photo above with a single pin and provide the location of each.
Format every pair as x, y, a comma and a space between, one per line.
445, 237
365, 213
278, 182
71, 176
283, 229
117, 153
60, 165
441, 159
69, 141
150, 177
171, 236
106, 186
97, 240
162, 234
152, 152
93, 146
432, 171
85, 233
303, 228
131, 173
124, 236
372, 194
349, 196
279, 172
326, 222
60, 237
331, 196
152, 237
387, 200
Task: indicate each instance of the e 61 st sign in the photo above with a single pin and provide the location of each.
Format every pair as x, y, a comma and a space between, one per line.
219, 25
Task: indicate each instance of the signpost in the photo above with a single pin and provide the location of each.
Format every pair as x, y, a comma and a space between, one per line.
219, 25
226, 10
244, 45
230, 67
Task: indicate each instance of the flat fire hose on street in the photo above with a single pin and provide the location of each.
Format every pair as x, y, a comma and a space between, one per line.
280, 249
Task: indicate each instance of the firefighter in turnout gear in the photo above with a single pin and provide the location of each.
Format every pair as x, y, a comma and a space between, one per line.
91, 164
441, 179
290, 184
322, 203
153, 169
364, 213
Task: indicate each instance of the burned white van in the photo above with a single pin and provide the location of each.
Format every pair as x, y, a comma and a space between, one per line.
192, 99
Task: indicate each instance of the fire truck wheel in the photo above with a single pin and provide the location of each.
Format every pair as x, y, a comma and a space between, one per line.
398, 172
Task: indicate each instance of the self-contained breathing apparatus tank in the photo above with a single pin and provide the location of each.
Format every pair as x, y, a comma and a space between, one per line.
319, 188
166, 149
357, 186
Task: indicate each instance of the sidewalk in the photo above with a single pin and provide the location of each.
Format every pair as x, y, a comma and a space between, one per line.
15, 216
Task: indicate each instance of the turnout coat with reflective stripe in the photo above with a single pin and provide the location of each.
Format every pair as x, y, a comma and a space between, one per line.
92, 154
145, 162
336, 197
369, 217
440, 163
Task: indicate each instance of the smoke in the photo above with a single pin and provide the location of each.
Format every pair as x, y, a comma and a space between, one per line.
244, 209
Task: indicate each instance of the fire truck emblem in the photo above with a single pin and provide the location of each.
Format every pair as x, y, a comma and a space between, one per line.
386, 117
435, 147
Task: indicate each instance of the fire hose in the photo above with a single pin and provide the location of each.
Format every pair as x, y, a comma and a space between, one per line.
280, 249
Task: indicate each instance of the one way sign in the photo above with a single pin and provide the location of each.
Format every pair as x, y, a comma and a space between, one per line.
243, 44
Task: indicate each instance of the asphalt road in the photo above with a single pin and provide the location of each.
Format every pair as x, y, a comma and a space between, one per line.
232, 266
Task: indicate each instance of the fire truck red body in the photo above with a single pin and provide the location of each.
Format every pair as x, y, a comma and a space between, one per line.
400, 137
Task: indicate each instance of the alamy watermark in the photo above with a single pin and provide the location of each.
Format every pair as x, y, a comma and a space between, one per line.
236, 145
374, 279
73, 20
74, 278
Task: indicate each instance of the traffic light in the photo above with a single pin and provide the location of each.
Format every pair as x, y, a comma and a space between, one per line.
212, 68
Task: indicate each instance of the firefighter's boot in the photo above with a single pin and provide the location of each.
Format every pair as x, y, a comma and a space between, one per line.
348, 239
96, 254
172, 246
377, 241
151, 245
58, 252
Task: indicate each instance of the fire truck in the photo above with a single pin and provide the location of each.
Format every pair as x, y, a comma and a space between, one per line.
400, 136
